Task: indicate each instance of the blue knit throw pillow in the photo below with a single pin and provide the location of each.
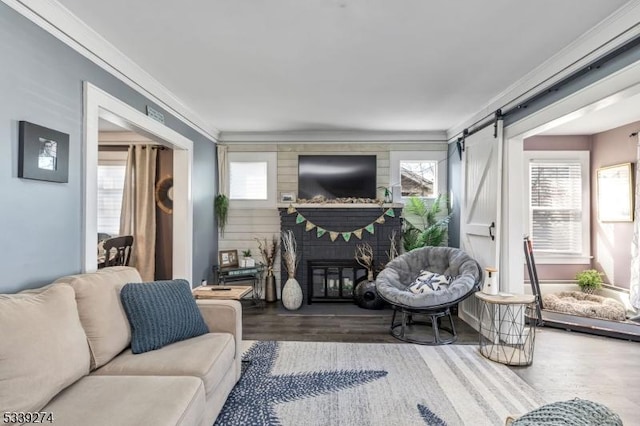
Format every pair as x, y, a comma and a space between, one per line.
161, 312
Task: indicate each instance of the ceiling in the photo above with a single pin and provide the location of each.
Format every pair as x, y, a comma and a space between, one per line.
349, 65
605, 117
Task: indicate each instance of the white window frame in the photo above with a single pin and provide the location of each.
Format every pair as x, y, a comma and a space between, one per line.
395, 157
271, 158
583, 258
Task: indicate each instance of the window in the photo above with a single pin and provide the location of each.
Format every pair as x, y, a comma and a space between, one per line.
252, 179
111, 171
419, 173
418, 178
558, 200
248, 180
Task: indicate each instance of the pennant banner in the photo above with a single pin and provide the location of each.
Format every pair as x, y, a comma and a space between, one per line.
370, 228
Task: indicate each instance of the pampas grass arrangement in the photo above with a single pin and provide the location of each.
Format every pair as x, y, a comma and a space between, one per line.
291, 292
289, 253
268, 251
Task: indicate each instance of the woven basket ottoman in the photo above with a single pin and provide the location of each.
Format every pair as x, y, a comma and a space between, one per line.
576, 412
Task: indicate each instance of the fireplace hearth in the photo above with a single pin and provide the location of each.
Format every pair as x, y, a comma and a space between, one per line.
327, 269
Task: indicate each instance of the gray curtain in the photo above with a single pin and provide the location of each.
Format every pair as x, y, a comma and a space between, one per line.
138, 216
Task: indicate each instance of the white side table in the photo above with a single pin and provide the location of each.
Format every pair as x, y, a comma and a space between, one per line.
505, 334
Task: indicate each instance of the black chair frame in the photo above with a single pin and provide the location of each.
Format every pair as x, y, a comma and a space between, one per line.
434, 313
122, 246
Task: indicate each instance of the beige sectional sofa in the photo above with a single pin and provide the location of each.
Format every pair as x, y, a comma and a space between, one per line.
64, 353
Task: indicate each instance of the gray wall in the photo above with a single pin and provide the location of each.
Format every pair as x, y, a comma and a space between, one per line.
41, 82
455, 193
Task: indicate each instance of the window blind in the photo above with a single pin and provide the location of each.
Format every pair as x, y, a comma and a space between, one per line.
248, 180
556, 206
110, 188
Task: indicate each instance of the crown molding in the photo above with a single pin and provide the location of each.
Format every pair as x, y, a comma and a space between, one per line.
612, 32
314, 136
68, 28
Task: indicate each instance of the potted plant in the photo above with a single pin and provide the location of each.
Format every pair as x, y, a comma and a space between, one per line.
589, 280
365, 294
269, 251
428, 229
247, 261
387, 194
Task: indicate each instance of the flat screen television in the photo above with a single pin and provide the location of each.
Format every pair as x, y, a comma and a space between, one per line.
337, 176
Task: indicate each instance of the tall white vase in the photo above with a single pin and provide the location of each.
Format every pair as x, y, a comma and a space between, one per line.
292, 295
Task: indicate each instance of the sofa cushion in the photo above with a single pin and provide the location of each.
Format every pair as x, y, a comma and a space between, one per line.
208, 357
43, 348
101, 312
130, 401
160, 313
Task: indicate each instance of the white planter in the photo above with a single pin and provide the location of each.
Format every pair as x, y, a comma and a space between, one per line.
292, 295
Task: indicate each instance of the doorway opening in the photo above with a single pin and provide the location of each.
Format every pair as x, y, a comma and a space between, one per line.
561, 148
102, 107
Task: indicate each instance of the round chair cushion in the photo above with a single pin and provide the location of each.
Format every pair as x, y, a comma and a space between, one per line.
392, 282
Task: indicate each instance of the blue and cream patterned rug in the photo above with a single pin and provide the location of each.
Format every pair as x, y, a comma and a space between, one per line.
314, 383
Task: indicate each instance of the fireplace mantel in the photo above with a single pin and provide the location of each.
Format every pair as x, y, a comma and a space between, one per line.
341, 205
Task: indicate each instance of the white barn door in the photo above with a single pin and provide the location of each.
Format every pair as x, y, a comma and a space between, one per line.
481, 204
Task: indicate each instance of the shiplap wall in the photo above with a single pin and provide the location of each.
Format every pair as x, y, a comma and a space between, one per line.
244, 225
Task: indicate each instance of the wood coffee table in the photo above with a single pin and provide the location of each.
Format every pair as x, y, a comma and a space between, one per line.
221, 292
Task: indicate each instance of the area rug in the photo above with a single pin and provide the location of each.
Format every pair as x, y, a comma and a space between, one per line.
317, 383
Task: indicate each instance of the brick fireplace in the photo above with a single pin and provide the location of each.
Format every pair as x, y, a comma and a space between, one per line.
334, 260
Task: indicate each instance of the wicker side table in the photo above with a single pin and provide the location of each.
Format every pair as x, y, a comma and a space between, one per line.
505, 334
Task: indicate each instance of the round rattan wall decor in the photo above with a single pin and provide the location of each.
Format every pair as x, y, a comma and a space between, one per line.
164, 194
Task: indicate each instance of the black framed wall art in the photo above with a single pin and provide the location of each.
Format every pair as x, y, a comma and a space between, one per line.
43, 154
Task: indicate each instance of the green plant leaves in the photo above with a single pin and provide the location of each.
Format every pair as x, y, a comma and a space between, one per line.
430, 231
221, 210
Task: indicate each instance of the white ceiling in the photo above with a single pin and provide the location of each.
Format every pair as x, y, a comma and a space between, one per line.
375, 65
608, 117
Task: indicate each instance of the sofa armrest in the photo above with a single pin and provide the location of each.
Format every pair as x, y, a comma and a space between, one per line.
224, 316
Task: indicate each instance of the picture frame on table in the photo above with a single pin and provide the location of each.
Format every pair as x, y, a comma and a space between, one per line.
228, 258
43, 153
287, 197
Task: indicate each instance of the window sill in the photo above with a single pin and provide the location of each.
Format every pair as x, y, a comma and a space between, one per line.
562, 260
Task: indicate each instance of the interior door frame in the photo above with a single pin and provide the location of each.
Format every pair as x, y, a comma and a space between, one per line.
99, 104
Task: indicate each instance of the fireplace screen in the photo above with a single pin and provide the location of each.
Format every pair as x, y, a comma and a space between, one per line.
333, 280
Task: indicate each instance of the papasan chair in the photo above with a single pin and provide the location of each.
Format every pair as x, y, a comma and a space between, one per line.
397, 283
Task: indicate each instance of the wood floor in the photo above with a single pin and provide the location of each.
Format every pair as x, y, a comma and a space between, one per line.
566, 364
273, 323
